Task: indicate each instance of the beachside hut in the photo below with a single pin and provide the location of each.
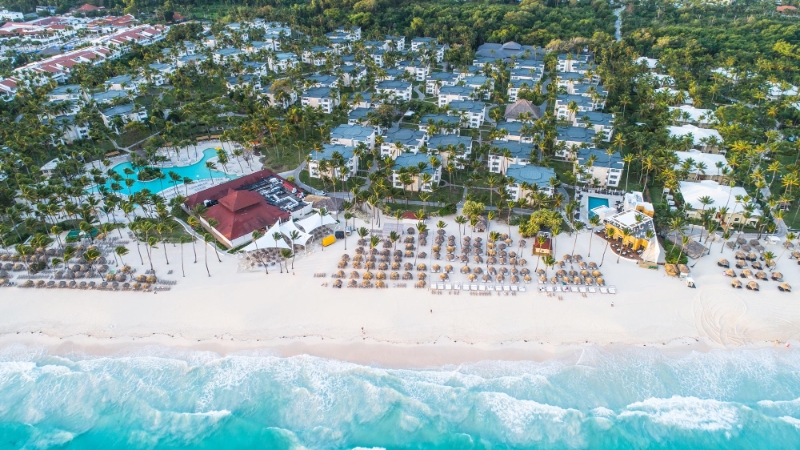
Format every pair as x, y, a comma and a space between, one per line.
671, 269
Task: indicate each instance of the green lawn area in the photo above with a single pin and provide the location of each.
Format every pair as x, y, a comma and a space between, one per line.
129, 138
792, 218
172, 236
281, 159
441, 194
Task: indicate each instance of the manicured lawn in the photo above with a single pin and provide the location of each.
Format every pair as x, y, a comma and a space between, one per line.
317, 183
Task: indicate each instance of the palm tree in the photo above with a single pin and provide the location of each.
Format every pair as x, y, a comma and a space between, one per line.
626, 233
121, 251
461, 221
725, 236
594, 222
258, 234
207, 237
194, 223
293, 236
347, 216
393, 238
286, 254
578, 226
277, 236
183, 240
91, 255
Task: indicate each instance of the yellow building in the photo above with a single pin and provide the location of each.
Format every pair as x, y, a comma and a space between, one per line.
637, 223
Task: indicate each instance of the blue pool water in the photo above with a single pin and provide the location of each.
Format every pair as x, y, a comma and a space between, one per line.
196, 172
627, 399
594, 202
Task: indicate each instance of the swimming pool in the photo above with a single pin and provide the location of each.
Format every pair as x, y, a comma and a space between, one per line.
594, 202
196, 172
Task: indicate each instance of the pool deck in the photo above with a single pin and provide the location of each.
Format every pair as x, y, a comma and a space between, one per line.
584, 201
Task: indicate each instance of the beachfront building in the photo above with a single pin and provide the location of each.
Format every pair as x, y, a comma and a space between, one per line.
604, 171
706, 140
394, 90
720, 195
459, 148
633, 229
252, 202
352, 135
503, 154
525, 179
440, 123
402, 140
423, 177
634, 201
320, 98
472, 113
335, 161
695, 165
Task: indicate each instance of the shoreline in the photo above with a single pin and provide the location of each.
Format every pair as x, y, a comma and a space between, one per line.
386, 355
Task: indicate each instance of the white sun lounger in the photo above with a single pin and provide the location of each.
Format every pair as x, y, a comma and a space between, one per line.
441, 285
448, 286
465, 287
522, 288
514, 288
592, 290
433, 287
507, 288
582, 289
483, 287
612, 289
603, 290
474, 287
549, 288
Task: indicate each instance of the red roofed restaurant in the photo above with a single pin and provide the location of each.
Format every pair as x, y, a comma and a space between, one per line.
249, 203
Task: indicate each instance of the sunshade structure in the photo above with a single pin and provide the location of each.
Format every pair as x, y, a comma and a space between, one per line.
288, 227
267, 241
311, 223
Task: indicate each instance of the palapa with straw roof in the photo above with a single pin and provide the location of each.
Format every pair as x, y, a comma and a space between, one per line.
784, 287
367, 276
761, 275
465, 269
740, 264
366, 284
408, 276
472, 277
596, 273
486, 278
421, 276
729, 273
380, 275
601, 281
337, 284
736, 284
394, 276
753, 286
746, 273
354, 275
477, 270
339, 274
554, 280
777, 276
448, 268
756, 265
352, 284
723, 263
422, 266
443, 276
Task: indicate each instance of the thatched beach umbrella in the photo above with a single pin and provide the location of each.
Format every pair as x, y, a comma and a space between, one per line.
394, 276
761, 275
443, 276
736, 284
477, 270
354, 275
486, 278
472, 277
421, 276
383, 266
777, 276
369, 265
408, 276
352, 284
729, 273
756, 265
784, 287
357, 265
753, 286
380, 275
422, 267
408, 266
337, 284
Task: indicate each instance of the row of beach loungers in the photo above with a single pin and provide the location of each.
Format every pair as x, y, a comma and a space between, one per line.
580, 289
476, 287
102, 286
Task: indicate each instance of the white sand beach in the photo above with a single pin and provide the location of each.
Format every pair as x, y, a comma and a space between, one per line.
293, 313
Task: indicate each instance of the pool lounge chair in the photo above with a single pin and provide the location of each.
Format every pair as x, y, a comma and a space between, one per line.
604, 290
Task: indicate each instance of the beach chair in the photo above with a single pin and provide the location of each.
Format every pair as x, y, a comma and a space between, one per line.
582, 289
604, 290
612, 289
482, 287
474, 287
514, 288
507, 288
522, 288
465, 287
448, 286
549, 288
592, 290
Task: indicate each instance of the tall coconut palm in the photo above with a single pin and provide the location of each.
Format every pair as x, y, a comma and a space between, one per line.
293, 236
207, 238
285, 255
578, 226
258, 234
393, 238
347, 216
594, 222
626, 233
121, 251
183, 240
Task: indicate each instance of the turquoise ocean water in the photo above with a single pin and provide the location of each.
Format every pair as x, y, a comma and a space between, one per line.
164, 398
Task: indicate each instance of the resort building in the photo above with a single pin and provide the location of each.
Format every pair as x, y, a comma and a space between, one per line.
394, 90
402, 140
416, 68
522, 110
706, 140
117, 116
515, 86
641, 232
252, 202
524, 179
320, 98
687, 114
472, 113
437, 80
457, 92
568, 107
634, 201
605, 170
336, 157
451, 145
702, 166
352, 135
508, 51
282, 62
599, 121
515, 131
321, 80
279, 95
721, 195
503, 154
440, 124
570, 139
422, 180
317, 56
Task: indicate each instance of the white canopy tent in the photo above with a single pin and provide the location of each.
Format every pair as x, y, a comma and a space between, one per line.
311, 223
267, 241
288, 227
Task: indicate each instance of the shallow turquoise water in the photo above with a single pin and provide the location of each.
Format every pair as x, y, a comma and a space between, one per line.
594, 202
196, 172
637, 398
